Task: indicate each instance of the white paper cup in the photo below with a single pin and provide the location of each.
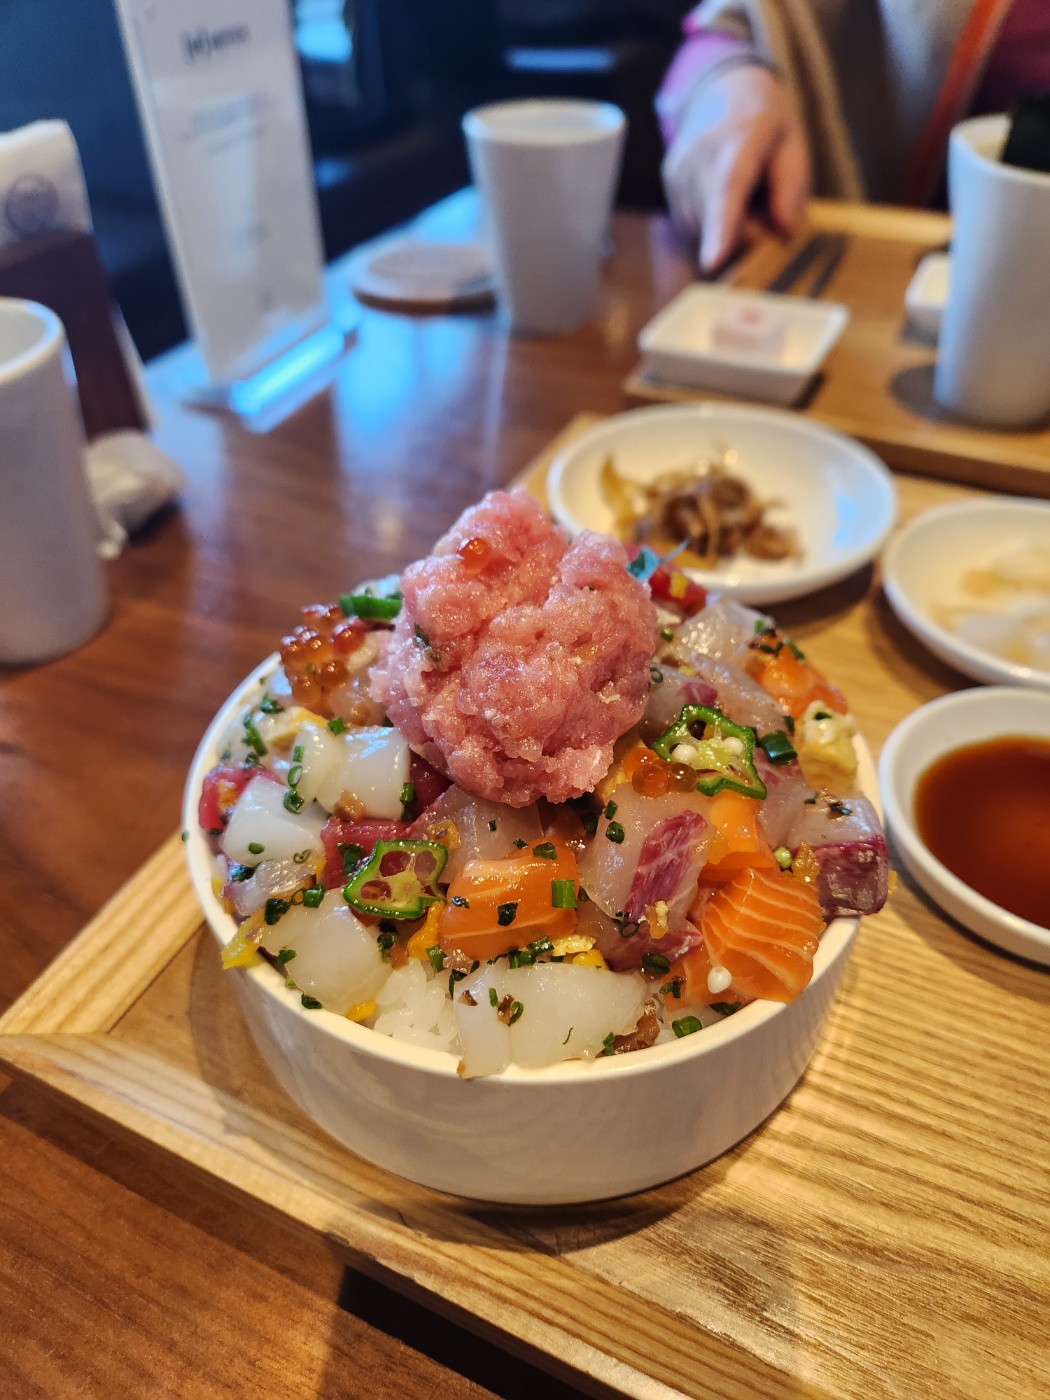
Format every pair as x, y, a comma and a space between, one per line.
547, 172
52, 590
993, 361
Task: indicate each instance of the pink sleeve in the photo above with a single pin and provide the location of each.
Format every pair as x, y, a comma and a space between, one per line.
701, 49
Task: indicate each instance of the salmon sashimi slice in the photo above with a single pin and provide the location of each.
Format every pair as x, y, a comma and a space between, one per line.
764, 928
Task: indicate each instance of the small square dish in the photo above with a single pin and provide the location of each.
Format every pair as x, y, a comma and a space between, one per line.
756, 345
927, 293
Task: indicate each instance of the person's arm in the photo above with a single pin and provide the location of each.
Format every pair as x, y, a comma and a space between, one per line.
730, 123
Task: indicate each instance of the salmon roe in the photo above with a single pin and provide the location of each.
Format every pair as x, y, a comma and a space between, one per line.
313, 656
653, 777
475, 553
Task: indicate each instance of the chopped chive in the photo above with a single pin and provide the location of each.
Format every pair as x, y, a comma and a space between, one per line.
778, 747
241, 872
492, 825
256, 848
795, 651
725, 1008
337, 725
185, 836
506, 913
590, 822
520, 957
285, 956
686, 1025
667, 634
275, 909
521, 844
583, 896
290, 984
563, 894
614, 832
607, 1044
566, 1040
437, 957
655, 963
673, 988
809, 801
493, 997
314, 898
453, 977
408, 794
541, 945
293, 802
783, 857
545, 850
301, 857
516, 1009
311, 1003
269, 705
610, 811
297, 753
460, 901
253, 738
789, 724
656, 675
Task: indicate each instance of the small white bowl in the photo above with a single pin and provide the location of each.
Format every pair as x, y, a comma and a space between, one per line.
965, 717
924, 562
680, 344
577, 1131
837, 495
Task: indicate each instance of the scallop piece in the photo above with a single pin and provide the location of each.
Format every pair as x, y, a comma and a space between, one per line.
568, 1012
484, 1039
261, 821
337, 959
373, 767
321, 754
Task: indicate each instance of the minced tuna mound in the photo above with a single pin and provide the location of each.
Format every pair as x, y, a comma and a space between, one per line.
518, 658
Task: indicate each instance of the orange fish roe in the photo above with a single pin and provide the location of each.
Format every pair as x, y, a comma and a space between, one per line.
475, 554
313, 656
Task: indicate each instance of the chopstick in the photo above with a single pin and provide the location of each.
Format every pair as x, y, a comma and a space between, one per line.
836, 251
803, 260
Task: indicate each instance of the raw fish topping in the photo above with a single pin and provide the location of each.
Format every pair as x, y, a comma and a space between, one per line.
522, 806
518, 658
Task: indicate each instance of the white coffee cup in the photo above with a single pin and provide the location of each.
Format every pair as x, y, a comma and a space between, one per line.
52, 589
547, 173
993, 360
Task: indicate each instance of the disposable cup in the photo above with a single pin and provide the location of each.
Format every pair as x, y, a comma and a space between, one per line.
547, 172
993, 360
52, 589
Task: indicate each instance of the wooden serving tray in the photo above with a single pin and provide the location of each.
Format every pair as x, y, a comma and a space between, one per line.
877, 383
885, 1233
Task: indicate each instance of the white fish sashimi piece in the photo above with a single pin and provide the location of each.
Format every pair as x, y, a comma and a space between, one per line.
608, 868
567, 1013
337, 959
373, 767
259, 818
736, 694
785, 801
720, 631
487, 830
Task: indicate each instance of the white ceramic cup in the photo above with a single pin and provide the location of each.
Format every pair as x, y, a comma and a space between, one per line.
993, 361
52, 589
547, 172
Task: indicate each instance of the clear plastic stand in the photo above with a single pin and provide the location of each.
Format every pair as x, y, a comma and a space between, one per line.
276, 381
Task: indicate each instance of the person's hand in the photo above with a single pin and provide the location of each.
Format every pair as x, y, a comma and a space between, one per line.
743, 126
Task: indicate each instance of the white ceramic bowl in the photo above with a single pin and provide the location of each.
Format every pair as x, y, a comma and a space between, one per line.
923, 563
679, 344
579, 1131
838, 495
966, 717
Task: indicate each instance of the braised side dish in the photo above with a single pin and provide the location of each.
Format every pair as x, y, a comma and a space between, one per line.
707, 509
537, 800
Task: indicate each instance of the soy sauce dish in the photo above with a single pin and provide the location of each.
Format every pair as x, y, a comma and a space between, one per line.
965, 784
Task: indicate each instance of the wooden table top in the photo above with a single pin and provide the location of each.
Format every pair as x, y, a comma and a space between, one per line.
117, 1275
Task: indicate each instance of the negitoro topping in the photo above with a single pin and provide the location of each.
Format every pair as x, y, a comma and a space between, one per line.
722, 753
398, 881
